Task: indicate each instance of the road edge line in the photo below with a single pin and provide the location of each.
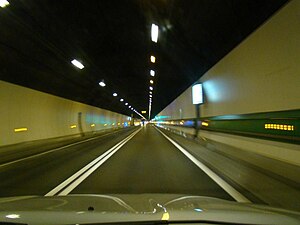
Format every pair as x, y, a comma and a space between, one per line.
53, 150
69, 181
222, 183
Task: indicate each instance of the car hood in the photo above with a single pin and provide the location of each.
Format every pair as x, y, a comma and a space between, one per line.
82, 209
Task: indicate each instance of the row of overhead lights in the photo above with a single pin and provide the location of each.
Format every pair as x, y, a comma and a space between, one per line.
79, 65
154, 38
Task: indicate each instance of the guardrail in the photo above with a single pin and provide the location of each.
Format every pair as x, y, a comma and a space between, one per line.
280, 126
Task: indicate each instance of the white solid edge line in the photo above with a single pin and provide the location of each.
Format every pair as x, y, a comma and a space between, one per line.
223, 184
52, 150
87, 173
71, 179
81, 171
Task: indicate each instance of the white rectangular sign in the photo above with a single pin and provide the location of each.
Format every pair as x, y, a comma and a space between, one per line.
197, 94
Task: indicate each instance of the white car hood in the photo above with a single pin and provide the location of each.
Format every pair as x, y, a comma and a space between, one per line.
83, 209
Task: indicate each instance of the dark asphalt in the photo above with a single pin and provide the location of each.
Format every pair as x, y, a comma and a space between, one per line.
148, 163
39, 175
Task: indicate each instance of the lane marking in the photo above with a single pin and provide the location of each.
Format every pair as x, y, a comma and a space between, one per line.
73, 181
223, 184
54, 150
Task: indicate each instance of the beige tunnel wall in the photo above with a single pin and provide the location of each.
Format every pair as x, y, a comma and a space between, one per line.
47, 116
261, 74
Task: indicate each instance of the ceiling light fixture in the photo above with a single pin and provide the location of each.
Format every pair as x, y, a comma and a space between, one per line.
151, 81
126, 103
4, 3
115, 94
152, 73
152, 59
151, 88
121, 100
102, 83
154, 32
78, 64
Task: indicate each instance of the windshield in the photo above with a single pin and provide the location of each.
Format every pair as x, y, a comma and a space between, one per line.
182, 103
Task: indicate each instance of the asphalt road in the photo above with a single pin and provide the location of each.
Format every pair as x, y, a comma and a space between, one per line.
147, 163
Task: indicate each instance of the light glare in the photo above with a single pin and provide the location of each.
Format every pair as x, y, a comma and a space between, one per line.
77, 64
4, 3
154, 33
13, 216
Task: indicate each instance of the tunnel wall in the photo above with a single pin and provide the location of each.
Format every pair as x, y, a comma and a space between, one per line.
260, 75
47, 116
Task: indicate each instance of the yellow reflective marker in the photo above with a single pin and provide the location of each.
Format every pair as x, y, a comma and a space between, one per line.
21, 129
165, 216
92, 125
144, 112
279, 127
73, 126
204, 124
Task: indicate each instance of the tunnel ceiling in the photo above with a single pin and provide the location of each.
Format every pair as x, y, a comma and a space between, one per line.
112, 38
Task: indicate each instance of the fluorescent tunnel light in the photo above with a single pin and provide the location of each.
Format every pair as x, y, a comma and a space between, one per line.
154, 33
78, 64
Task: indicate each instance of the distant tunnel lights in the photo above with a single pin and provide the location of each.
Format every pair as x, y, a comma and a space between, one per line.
4, 3
76, 63
115, 94
121, 100
151, 81
151, 88
154, 33
152, 59
152, 73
